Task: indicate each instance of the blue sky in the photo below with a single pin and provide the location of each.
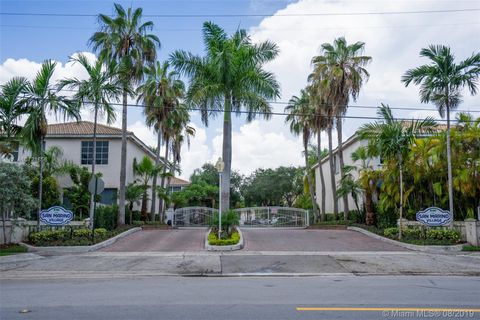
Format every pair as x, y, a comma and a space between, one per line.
393, 41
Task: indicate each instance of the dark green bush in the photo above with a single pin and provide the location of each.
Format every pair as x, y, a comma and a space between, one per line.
67, 237
443, 234
106, 217
386, 218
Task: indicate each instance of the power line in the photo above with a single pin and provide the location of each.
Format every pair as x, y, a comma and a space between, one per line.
354, 106
49, 14
277, 29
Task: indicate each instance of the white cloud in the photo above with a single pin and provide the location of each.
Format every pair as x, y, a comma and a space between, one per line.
258, 146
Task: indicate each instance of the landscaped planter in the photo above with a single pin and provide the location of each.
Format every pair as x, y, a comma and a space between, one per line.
80, 249
237, 246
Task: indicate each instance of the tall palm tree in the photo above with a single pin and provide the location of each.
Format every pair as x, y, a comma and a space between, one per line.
441, 82
392, 139
229, 78
125, 39
341, 67
98, 90
302, 118
161, 94
145, 170
321, 124
41, 97
11, 109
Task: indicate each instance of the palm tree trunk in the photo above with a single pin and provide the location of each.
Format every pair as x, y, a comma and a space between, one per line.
332, 172
160, 201
449, 165
401, 203
94, 159
123, 163
322, 178
227, 155
346, 209
309, 180
154, 182
40, 179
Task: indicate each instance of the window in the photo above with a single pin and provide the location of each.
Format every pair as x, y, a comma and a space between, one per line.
101, 152
109, 196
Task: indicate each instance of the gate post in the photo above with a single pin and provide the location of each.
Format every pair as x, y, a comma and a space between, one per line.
307, 216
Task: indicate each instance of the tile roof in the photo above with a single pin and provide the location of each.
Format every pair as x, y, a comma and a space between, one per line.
179, 182
81, 128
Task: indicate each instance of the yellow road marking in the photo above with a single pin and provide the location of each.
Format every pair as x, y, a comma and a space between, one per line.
387, 309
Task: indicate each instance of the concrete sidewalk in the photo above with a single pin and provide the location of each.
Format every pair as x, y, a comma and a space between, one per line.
129, 264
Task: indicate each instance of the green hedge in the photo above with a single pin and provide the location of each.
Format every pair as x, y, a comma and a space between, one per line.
106, 217
430, 235
214, 241
67, 237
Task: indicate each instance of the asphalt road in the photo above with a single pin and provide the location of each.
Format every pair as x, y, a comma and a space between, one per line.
236, 298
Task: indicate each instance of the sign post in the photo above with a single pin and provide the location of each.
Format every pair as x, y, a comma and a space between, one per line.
95, 187
434, 217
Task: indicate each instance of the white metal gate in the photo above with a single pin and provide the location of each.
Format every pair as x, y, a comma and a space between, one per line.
273, 217
193, 217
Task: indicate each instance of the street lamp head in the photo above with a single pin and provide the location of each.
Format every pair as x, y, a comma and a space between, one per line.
220, 165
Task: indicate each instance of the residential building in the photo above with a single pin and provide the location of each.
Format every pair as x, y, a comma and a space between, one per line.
76, 142
349, 146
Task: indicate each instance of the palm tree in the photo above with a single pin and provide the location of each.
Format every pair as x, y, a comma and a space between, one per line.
441, 82
11, 109
392, 139
133, 194
302, 118
229, 78
145, 170
367, 180
349, 186
342, 71
98, 90
39, 98
125, 39
161, 94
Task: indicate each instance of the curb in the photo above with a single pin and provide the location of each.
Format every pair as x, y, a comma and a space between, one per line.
79, 249
434, 249
234, 247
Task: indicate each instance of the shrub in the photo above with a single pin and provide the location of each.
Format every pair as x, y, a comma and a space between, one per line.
386, 218
229, 220
414, 233
214, 241
82, 233
443, 234
391, 233
106, 217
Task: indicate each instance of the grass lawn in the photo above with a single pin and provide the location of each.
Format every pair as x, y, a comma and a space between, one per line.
8, 249
471, 248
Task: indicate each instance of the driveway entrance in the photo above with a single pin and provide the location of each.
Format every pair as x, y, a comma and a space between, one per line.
312, 240
169, 240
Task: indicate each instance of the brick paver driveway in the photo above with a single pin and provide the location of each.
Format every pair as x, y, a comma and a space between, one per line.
161, 241
312, 240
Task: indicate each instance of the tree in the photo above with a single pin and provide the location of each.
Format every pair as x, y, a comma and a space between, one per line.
301, 118
342, 68
11, 109
40, 98
98, 90
145, 170
78, 195
349, 186
161, 94
230, 78
133, 195
126, 40
15, 197
441, 82
392, 139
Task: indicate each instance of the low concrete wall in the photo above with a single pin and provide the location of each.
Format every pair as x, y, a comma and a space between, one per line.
17, 230
469, 229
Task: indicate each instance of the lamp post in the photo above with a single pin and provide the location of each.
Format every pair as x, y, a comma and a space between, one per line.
219, 166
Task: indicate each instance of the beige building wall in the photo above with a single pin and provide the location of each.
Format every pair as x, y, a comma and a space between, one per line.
349, 147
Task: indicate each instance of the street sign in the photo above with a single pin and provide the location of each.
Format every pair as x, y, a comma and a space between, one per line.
100, 185
434, 217
56, 216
